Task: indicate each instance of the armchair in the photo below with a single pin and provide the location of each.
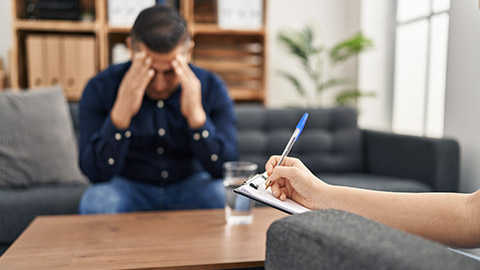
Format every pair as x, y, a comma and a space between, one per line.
334, 239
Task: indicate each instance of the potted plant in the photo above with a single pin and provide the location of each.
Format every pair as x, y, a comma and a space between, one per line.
301, 44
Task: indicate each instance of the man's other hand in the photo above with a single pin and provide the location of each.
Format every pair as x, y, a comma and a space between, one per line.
131, 90
191, 96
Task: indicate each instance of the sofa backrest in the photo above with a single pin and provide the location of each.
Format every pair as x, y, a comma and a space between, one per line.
330, 142
73, 106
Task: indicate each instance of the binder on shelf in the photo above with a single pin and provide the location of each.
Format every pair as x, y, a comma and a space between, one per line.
86, 63
70, 50
54, 64
240, 14
79, 64
35, 60
122, 13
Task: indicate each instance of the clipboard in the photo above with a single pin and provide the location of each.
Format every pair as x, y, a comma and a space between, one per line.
254, 188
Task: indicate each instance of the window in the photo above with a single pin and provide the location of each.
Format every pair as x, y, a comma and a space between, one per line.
420, 67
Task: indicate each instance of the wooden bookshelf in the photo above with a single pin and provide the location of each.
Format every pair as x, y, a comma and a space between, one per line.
3, 76
238, 56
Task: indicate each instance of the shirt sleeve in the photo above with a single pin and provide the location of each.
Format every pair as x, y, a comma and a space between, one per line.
216, 142
103, 147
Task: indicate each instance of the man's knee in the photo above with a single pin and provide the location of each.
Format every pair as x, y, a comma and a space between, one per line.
213, 195
198, 193
102, 199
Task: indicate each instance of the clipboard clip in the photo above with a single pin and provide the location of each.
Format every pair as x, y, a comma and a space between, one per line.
250, 181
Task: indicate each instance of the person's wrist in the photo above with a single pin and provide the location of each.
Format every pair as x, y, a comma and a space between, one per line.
326, 194
120, 119
197, 119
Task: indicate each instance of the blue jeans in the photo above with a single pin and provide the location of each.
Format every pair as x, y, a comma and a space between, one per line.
123, 195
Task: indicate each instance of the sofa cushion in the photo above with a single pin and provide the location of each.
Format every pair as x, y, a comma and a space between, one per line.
330, 142
37, 143
18, 207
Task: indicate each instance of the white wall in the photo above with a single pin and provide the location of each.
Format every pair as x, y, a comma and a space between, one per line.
375, 67
5, 30
462, 98
335, 20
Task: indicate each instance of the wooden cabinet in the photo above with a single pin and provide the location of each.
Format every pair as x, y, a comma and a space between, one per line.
238, 56
70, 52
48, 52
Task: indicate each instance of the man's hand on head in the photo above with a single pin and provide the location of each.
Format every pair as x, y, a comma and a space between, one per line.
131, 90
191, 95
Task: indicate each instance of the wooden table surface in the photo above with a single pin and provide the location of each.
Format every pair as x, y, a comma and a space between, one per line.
193, 239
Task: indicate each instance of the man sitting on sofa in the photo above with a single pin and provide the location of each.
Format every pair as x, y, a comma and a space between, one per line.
154, 132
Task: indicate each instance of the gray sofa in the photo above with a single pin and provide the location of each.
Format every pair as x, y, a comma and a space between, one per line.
19, 206
331, 145
334, 148
333, 239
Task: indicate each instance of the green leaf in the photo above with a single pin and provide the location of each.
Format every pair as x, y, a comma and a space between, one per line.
294, 44
307, 38
300, 43
350, 97
294, 81
317, 50
350, 47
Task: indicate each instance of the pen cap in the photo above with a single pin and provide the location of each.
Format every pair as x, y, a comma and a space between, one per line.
301, 123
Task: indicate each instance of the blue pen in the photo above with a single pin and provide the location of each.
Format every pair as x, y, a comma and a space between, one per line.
293, 139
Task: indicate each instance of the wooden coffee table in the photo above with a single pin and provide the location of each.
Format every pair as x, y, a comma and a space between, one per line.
193, 239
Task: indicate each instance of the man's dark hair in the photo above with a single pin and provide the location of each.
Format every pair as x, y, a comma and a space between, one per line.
160, 28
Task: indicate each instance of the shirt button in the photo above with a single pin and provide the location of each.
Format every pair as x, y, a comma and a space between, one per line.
111, 161
128, 133
160, 150
160, 104
164, 174
196, 136
118, 136
214, 157
205, 134
161, 132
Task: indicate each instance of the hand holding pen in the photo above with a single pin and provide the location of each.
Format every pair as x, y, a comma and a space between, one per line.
291, 142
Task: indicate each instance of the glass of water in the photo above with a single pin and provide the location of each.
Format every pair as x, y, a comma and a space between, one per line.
238, 208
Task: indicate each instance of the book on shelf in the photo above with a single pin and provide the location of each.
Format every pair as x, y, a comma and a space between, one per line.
240, 14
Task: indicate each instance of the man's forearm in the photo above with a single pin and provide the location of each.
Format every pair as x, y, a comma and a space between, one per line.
444, 217
103, 151
120, 118
197, 119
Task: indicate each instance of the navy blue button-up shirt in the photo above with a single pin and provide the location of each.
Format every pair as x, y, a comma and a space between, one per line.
159, 147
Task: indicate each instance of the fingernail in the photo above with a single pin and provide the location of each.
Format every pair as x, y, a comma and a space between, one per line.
275, 193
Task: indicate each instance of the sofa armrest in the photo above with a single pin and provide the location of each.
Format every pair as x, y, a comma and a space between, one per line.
333, 239
429, 160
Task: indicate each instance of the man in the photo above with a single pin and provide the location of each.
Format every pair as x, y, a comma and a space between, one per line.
154, 132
